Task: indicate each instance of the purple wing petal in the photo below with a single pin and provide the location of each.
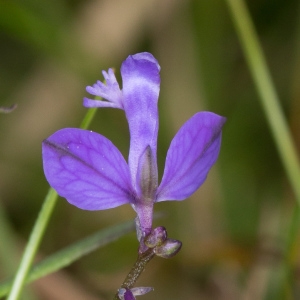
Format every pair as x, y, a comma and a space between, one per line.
86, 169
192, 153
109, 90
141, 81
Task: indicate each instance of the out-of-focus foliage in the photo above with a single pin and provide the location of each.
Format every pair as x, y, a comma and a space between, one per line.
233, 228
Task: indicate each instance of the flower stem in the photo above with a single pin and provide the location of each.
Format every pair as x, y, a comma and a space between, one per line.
32, 246
275, 117
39, 230
88, 118
268, 96
136, 270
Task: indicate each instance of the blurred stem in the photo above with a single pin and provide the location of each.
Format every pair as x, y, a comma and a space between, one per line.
268, 96
88, 118
270, 102
39, 230
32, 246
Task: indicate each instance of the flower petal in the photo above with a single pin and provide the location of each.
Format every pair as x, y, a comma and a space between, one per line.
192, 153
147, 176
109, 90
125, 294
141, 80
128, 294
138, 291
86, 169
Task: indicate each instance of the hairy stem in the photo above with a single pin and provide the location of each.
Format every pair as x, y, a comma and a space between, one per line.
136, 270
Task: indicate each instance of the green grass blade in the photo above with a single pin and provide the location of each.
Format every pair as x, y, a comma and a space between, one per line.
274, 114
268, 96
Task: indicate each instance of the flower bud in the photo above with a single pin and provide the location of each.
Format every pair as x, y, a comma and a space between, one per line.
156, 238
168, 249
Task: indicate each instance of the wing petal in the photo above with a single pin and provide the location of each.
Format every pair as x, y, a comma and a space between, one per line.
192, 153
86, 169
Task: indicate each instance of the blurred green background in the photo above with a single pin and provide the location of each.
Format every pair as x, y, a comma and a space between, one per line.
233, 228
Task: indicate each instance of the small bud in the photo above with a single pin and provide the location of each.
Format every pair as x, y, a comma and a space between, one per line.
156, 238
168, 249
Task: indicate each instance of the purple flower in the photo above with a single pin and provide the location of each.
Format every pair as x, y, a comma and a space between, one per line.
91, 173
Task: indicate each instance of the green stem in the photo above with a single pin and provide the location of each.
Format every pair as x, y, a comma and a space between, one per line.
270, 102
268, 96
32, 246
88, 118
38, 230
